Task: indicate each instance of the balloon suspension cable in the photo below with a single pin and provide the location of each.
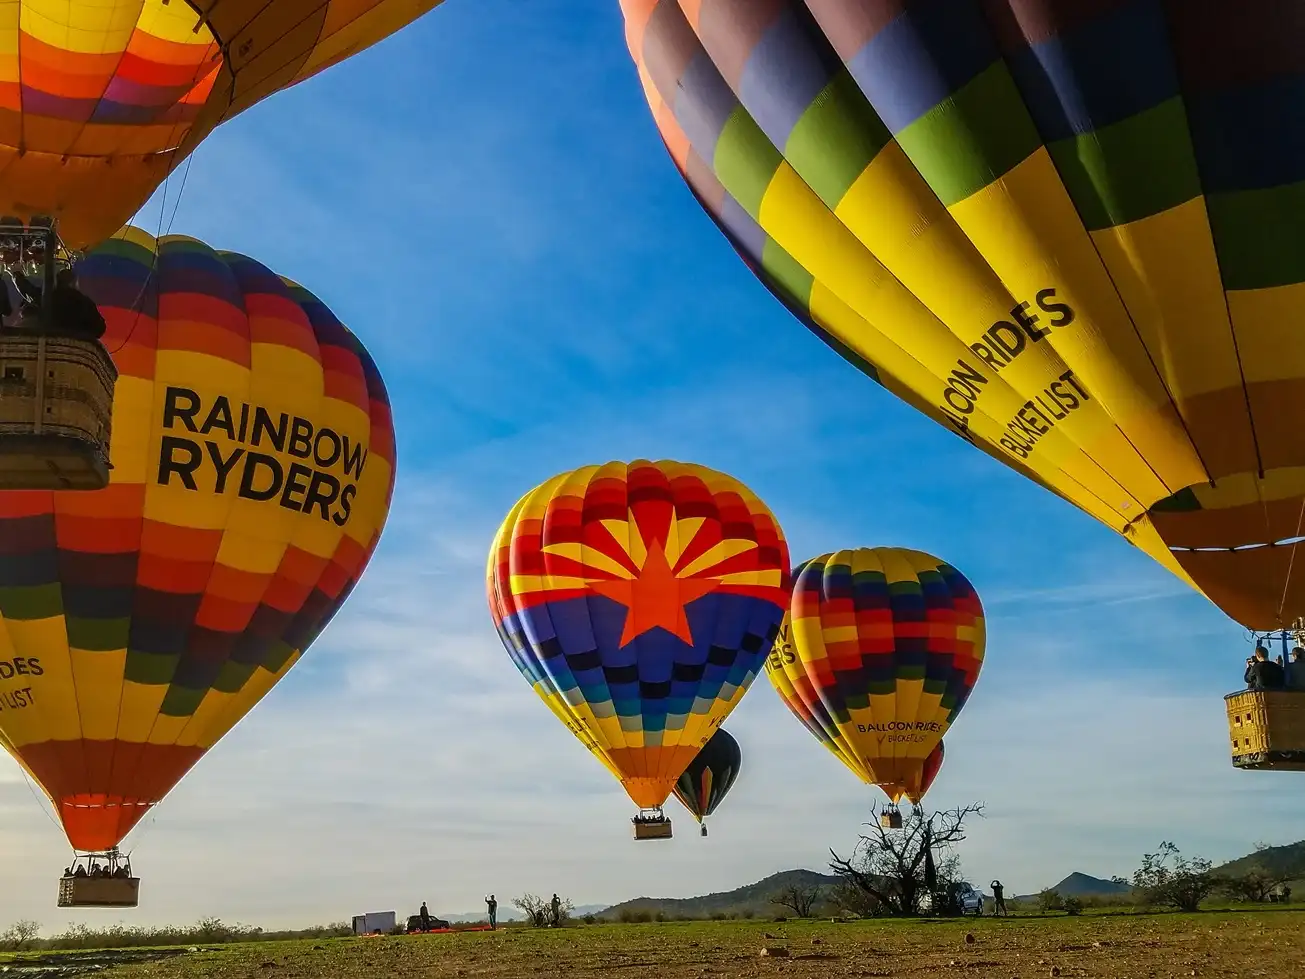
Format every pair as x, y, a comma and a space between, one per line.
1291, 561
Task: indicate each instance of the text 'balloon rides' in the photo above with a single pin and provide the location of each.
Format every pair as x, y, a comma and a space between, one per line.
878, 655
1068, 230
709, 777
98, 102
253, 461
639, 600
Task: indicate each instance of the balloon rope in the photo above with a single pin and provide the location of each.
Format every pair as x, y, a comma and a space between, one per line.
1292, 560
41, 803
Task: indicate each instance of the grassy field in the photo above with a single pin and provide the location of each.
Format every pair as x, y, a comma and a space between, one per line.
1237, 945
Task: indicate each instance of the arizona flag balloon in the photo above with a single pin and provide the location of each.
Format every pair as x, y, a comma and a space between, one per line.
253, 458
639, 600
879, 654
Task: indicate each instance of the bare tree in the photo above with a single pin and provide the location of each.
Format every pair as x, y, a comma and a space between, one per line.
539, 911
800, 899
850, 899
20, 934
892, 867
534, 907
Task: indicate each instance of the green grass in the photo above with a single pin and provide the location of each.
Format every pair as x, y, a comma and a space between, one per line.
1218, 943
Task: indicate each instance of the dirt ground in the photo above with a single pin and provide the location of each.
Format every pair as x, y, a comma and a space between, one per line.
1237, 945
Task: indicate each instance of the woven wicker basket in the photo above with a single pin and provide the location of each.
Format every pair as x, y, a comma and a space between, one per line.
1267, 729
56, 410
99, 892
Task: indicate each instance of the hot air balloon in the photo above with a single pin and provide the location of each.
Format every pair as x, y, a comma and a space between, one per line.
100, 102
709, 776
877, 656
639, 600
1070, 232
254, 461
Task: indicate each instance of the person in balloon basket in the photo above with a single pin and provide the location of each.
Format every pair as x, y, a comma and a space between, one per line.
72, 312
1263, 673
1294, 671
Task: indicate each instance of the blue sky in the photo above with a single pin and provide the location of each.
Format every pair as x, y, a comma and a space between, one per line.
484, 199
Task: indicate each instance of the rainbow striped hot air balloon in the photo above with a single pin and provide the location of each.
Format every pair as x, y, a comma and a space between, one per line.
640, 600
253, 459
879, 653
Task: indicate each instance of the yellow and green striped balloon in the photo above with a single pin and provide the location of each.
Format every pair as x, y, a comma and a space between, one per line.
1072, 231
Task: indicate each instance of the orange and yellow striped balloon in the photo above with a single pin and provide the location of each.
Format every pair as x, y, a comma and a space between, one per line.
253, 457
99, 101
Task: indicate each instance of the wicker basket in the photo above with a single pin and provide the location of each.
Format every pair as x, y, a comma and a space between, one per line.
99, 892
1267, 729
659, 830
56, 408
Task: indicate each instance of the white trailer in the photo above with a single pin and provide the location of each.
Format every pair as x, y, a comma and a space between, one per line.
374, 923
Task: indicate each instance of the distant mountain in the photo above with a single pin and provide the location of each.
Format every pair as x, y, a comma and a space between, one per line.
754, 898
1277, 861
1082, 885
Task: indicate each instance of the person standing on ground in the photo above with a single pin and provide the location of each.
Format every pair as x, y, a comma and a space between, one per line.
425, 916
998, 898
557, 911
492, 906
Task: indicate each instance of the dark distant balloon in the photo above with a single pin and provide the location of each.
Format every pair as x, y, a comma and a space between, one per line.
709, 776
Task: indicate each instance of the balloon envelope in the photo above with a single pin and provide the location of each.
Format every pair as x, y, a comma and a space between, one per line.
639, 600
884, 646
98, 102
710, 775
253, 458
1067, 231
918, 782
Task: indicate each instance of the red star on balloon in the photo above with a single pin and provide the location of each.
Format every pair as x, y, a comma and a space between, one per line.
656, 597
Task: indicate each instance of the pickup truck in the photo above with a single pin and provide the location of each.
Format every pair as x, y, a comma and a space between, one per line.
965, 900
968, 899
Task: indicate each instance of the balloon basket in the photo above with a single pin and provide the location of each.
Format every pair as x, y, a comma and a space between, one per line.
704, 830
1267, 729
56, 405
651, 825
890, 819
99, 880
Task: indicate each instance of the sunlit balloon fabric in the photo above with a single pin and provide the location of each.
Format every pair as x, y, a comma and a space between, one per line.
1069, 230
253, 457
639, 600
917, 783
710, 775
883, 648
99, 101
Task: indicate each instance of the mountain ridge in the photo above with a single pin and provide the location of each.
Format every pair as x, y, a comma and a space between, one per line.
1287, 860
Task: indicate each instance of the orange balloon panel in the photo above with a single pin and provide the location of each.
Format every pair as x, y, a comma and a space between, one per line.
99, 101
253, 457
